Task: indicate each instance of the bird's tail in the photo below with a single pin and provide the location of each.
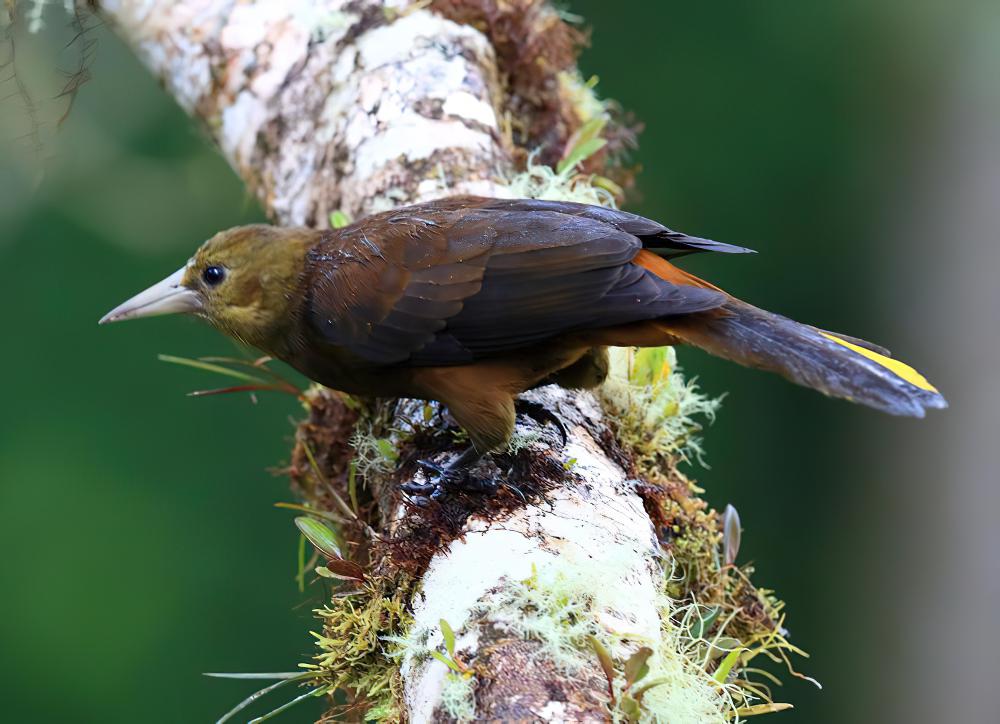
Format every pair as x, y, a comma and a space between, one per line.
833, 364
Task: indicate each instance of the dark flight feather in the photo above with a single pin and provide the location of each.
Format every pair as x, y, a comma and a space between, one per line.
654, 236
468, 282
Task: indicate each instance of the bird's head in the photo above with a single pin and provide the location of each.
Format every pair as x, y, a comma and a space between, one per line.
243, 281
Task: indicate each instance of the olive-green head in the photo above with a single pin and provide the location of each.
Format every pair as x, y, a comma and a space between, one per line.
245, 281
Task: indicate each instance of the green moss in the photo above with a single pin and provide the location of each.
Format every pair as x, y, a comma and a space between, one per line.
357, 650
557, 607
709, 608
657, 414
699, 660
458, 697
542, 182
374, 456
564, 606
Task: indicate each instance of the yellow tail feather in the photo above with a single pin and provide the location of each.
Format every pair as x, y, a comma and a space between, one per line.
901, 370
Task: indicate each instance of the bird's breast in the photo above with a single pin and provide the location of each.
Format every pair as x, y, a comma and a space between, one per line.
338, 369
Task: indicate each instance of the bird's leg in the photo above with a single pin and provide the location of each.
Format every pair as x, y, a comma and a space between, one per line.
444, 478
540, 414
453, 473
484, 409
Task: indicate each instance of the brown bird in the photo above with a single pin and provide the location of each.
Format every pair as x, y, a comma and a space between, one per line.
471, 301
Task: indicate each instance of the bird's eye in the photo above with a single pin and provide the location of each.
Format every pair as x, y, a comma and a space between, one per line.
213, 275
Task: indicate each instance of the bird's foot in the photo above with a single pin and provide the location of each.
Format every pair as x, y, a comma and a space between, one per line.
540, 414
442, 480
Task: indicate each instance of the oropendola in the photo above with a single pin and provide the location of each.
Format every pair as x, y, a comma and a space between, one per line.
471, 301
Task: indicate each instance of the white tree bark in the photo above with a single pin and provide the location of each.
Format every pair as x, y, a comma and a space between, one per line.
364, 105
594, 521
353, 105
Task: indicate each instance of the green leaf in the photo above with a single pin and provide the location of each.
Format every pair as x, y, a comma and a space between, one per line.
639, 691
650, 366
703, 625
568, 465
606, 663
285, 707
721, 647
580, 153
727, 665
637, 667
589, 131
342, 568
603, 182
267, 675
241, 388
759, 709
300, 575
583, 144
352, 484
208, 367
730, 535
319, 535
322, 478
446, 661
386, 449
338, 219
259, 365
631, 709
285, 679
449, 637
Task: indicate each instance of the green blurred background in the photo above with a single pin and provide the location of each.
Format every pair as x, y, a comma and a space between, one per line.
854, 144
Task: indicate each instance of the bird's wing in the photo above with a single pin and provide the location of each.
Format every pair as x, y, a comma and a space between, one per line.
654, 236
434, 285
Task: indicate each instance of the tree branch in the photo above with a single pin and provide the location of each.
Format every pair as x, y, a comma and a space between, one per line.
363, 105
322, 106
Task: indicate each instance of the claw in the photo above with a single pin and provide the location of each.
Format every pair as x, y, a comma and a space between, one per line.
516, 490
421, 501
443, 473
443, 479
540, 414
414, 488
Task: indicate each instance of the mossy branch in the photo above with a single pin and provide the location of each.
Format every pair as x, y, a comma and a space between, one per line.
595, 584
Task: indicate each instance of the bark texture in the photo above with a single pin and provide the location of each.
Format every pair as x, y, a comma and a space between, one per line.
361, 105
590, 516
353, 105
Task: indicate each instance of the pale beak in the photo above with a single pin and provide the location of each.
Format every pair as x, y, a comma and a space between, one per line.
166, 297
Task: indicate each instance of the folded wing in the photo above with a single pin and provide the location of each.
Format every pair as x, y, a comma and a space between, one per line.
433, 285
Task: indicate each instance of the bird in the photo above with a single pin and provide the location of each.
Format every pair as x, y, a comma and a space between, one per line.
471, 301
